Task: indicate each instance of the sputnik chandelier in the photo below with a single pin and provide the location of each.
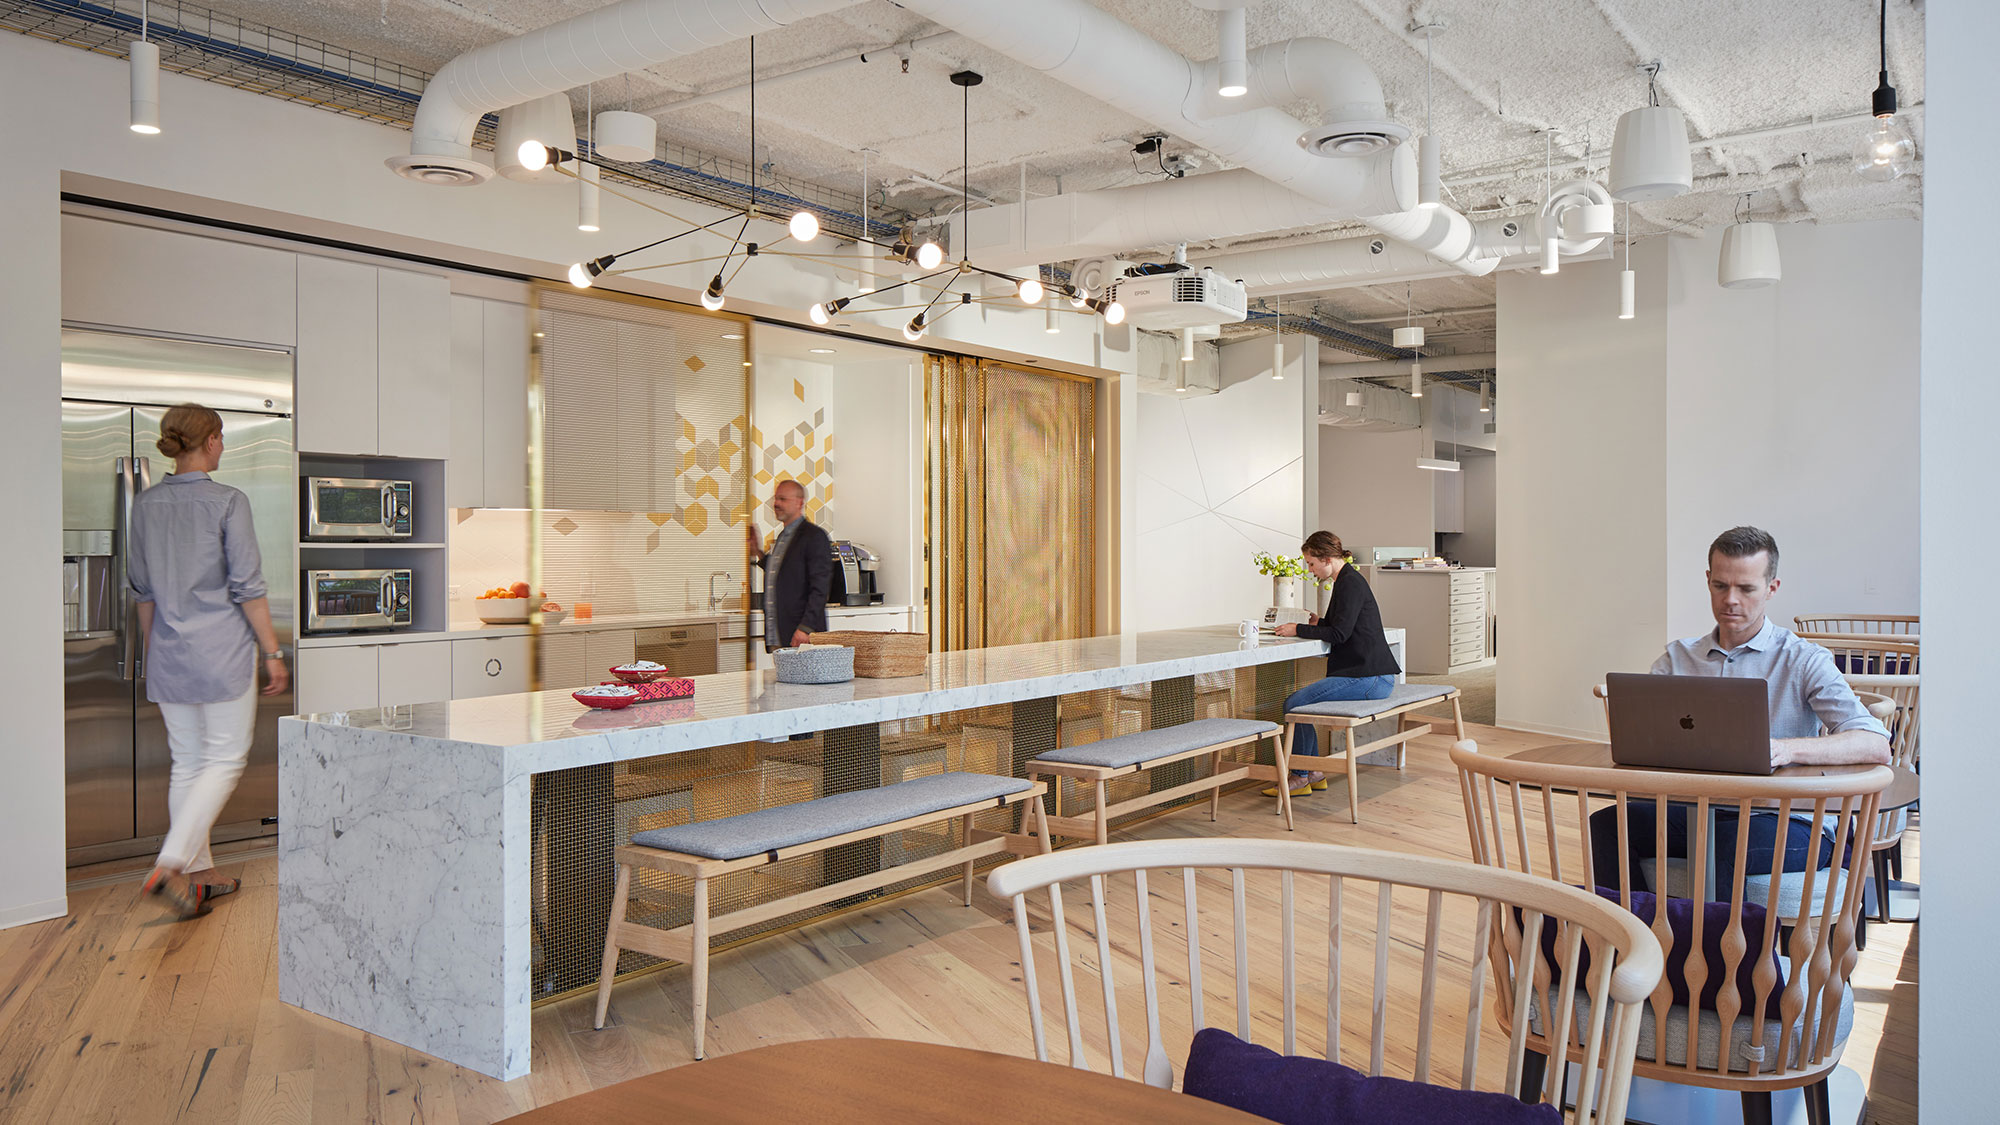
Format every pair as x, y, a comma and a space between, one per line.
910, 247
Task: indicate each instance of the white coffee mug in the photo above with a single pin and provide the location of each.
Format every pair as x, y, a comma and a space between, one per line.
1248, 628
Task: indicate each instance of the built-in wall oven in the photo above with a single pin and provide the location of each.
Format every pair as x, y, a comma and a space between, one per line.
354, 508
340, 601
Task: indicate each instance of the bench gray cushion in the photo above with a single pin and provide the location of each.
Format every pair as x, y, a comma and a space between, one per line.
733, 837
1402, 696
1148, 745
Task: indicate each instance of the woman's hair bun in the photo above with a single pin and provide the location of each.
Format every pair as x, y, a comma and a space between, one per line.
186, 428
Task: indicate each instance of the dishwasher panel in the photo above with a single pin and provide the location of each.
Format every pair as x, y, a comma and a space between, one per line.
688, 650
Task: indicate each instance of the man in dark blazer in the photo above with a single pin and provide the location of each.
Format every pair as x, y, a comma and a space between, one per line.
798, 570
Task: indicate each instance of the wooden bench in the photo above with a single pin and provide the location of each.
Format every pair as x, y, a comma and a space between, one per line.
707, 849
1100, 761
1347, 715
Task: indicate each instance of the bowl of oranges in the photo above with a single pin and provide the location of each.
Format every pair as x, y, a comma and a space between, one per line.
511, 605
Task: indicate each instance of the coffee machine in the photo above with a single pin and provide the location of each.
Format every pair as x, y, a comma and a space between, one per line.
856, 574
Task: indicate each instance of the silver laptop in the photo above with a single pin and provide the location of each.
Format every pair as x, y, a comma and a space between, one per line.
1713, 723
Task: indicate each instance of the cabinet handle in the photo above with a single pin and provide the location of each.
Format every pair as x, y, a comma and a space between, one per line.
493, 667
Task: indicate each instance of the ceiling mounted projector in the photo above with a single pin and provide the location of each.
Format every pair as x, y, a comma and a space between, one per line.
1749, 257
1649, 155
1187, 299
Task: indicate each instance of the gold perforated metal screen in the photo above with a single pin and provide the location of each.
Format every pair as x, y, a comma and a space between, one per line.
1011, 461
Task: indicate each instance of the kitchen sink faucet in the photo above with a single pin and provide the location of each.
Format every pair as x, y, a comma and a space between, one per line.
713, 600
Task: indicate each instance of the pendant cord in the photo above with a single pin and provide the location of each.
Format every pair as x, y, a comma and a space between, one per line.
965, 172
145, 21
1885, 40
1430, 44
1628, 234
753, 127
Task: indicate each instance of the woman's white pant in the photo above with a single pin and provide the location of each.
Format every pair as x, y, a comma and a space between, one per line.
210, 744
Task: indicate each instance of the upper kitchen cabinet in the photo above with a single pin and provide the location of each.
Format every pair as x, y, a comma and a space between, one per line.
374, 360
489, 405
581, 465
123, 276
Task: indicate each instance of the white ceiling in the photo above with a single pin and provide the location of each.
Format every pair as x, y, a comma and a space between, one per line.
1506, 71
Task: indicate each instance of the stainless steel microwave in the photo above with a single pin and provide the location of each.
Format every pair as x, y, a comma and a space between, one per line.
353, 508
342, 600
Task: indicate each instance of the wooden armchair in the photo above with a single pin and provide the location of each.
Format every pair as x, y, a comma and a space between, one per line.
1788, 961
1877, 624
1869, 656
1452, 921
1898, 711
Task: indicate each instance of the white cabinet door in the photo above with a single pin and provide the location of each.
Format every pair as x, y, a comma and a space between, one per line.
337, 395
335, 679
580, 412
604, 650
413, 368
649, 431
129, 276
564, 662
413, 672
732, 654
489, 666
506, 405
465, 472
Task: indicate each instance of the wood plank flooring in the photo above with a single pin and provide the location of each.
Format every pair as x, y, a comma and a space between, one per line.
118, 1013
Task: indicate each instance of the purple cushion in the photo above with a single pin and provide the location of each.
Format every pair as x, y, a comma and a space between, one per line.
1680, 922
1305, 1091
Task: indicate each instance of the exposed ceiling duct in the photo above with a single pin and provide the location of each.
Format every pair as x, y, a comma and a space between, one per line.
1433, 365
588, 48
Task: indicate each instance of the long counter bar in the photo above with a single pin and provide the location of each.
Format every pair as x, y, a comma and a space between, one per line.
404, 852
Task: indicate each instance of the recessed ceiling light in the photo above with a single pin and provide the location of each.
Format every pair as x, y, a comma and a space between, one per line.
820, 351
732, 335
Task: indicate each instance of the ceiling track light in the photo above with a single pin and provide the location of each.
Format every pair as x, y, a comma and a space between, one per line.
144, 57
1886, 150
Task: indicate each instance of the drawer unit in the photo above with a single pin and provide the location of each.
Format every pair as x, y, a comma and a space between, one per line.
342, 678
489, 666
571, 660
413, 672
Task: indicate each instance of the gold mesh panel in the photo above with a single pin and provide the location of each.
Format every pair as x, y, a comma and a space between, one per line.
1011, 461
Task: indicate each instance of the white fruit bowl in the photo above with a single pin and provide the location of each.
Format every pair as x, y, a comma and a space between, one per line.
501, 611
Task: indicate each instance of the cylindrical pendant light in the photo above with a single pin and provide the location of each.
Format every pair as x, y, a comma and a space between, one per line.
145, 60
1628, 282
1416, 378
1232, 58
626, 136
1278, 345
586, 200
1430, 179
1485, 397
1187, 345
1049, 324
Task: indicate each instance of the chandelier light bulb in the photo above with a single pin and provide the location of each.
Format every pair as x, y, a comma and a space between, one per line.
819, 315
532, 155
1114, 313
1031, 292
914, 330
1079, 297
930, 255
711, 297
804, 226
579, 276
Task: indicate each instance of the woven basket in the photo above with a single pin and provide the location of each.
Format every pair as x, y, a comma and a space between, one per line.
821, 664
882, 656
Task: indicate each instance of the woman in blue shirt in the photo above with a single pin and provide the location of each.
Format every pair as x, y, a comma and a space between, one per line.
194, 569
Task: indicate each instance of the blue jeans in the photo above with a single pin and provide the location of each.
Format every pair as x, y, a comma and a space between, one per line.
1328, 690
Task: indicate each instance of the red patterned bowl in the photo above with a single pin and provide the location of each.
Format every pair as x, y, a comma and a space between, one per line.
603, 700
630, 674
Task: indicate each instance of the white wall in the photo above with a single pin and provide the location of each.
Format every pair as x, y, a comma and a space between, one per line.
63, 114
1960, 399
1794, 408
1478, 545
1221, 477
1371, 492
1582, 491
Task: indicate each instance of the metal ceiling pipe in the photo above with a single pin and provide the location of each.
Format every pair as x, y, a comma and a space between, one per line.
588, 48
1077, 43
1433, 365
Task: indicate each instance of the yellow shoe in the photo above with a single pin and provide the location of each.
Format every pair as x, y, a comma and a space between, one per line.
1320, 784
1300, 788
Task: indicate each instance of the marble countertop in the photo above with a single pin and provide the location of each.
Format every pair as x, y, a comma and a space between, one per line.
548, 730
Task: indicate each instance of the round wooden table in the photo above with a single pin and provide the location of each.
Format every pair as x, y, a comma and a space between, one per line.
834, 1081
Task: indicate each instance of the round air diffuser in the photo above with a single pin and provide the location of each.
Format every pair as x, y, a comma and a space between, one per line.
626, 136
1749, 257
444, 171
1649, 155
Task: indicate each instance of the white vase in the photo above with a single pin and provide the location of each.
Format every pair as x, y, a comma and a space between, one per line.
1285, 593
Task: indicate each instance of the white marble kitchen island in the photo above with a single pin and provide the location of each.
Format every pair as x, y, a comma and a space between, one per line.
406, 840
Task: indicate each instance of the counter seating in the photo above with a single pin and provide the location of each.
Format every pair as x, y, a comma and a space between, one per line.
1095, 763
1349, 715
708, 849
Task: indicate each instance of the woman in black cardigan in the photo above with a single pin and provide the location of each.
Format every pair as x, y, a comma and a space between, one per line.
1359, 664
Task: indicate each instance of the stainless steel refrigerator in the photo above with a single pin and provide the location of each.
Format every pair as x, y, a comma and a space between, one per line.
116, 388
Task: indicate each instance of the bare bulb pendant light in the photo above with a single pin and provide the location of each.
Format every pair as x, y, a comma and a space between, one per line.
145, 62
1628, 282
1886, 150
1430, 179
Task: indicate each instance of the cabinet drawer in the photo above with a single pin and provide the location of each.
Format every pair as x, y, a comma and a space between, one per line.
413, 672
1468, 597
605, 650
339, 678
563, 662
1460, 614
1467, 654
1468, 634
489, 666
1467, 584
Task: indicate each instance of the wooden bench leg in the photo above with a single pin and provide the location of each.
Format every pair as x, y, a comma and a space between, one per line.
1354, 779
700, 966
1041, 824
1103, 823
610, 968
965, 840
1215, 792
1281, 749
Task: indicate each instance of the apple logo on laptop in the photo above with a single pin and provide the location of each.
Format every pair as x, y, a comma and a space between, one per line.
1687, 722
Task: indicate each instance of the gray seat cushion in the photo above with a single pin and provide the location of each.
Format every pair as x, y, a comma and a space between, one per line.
1756, 888
733, 837
1161, 742
1402, 696
1708, 1034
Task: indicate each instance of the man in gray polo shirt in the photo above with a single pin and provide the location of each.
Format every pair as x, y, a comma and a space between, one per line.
1815, 718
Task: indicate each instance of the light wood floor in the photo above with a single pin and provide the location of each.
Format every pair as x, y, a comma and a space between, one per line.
117, 1013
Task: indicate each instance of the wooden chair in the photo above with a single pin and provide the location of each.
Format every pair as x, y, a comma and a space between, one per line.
1532, 817
1898, 711
1857, 655
1876, 624
1478, 905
